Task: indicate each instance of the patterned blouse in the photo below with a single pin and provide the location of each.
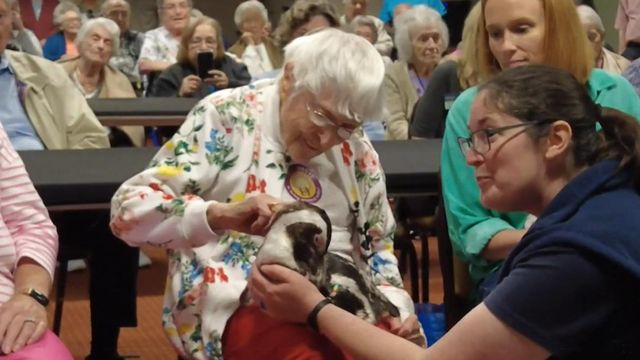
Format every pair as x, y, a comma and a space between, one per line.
159, 45
228, 149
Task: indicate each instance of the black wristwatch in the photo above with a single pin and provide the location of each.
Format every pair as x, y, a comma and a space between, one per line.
41, 298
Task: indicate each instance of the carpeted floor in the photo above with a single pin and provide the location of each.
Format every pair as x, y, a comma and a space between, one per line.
147, 341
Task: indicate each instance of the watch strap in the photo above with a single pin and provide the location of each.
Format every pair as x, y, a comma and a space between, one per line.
41, 298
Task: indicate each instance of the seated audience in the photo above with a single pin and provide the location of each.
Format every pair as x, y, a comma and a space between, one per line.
42, 109
126, 57
604, 59
95, 78
389, 8
22, 39
61, 45
302, 17
358, 8
571, 287
421, 37
256, 49
27, 263
160, 47
210, 192
483, 237
454, 74
181, 79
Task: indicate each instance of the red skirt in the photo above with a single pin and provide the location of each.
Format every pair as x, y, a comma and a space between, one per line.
251, 334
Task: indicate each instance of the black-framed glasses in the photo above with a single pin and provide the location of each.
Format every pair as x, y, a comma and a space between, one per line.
480, 140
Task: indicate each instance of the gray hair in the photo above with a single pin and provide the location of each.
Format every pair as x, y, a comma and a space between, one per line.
108, 3
362, 20
62, 9
248, 7
417, 16
588, 16
346, 64
160, 3
107, 24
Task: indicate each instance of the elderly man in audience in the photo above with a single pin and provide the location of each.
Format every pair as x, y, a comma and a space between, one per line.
95, 78
22, 39
354, 8
604, 58
210, 192
256, 49
421, 37
61, 45
302, 17
126, 57
160, 47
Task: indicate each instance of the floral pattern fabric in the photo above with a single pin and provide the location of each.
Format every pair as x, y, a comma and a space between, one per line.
159, 45
227, 150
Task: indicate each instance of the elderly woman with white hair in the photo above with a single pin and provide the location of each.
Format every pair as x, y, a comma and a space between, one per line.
61, 45
256, 49
604, 58
210, 192
421, 37
97, 40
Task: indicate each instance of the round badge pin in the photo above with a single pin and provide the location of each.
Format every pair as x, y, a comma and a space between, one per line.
302, 184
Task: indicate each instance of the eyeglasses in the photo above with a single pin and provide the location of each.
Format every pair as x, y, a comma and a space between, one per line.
318, 118
480, 140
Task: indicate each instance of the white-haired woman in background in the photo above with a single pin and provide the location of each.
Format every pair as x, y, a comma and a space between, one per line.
90, 71
209, 193
421, 37
256, 49
61, 45
604, 58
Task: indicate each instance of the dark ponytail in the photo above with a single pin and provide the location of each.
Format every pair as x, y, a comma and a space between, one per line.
621, 141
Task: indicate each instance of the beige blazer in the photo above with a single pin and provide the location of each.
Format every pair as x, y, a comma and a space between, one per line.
273, 51
115, 85
58, 112
399, 99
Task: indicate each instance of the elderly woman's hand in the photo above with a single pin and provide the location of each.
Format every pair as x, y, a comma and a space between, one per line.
251, 216
218, 78
23, 321
283, 293
190, 84
409, 329
248, 38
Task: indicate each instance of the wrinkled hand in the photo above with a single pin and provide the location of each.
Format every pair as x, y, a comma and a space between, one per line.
23, 321
251, 216
218, 78
248, 38
190, 84
283, 293
409, 329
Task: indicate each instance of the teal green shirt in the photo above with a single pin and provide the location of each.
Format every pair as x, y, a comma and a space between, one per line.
471, 226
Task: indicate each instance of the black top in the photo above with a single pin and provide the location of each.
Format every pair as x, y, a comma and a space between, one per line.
572, 284
431, 109
169, 81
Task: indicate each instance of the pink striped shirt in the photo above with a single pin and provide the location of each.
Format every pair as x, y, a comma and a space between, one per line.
25, 227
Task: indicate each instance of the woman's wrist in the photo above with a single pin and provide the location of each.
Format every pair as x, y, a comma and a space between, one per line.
312, 318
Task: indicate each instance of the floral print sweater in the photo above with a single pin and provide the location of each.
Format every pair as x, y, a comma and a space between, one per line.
228, 149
